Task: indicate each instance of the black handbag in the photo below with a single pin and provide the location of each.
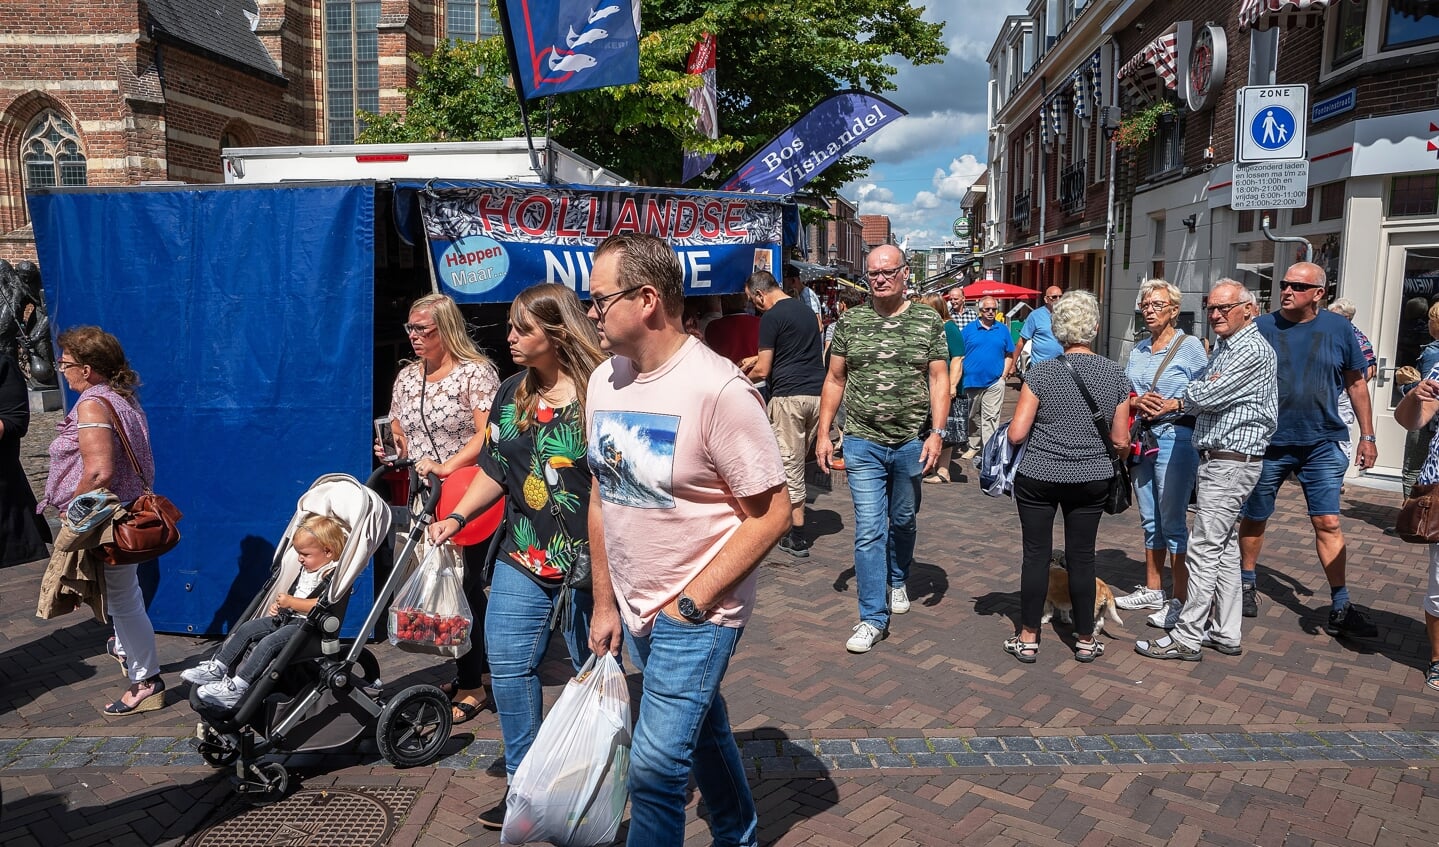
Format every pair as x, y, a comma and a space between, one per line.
956, 426
1121, 490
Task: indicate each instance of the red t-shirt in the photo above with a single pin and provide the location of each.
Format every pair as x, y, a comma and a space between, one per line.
736, 337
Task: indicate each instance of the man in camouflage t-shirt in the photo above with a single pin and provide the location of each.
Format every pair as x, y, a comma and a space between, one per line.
890, 365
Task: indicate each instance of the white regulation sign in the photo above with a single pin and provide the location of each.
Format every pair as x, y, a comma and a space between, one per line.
1270, 185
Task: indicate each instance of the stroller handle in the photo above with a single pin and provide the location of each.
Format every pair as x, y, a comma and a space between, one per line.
432, 482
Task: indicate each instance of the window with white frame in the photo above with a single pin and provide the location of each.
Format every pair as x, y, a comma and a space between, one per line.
52, 152
352, 65
1368, 29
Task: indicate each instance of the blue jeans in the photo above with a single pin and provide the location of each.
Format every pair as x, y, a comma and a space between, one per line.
1318, 467
683, 727
1162, 485
517, 634
884, 483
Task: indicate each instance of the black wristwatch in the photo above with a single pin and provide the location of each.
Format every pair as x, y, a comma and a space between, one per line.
457, 518
690, 612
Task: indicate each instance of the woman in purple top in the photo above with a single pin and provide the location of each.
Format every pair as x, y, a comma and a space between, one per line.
86, 455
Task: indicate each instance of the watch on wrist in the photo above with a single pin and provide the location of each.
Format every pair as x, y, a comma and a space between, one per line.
689, 611
457, 518
1368, 438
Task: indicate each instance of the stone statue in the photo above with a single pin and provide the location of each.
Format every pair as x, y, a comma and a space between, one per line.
19, 332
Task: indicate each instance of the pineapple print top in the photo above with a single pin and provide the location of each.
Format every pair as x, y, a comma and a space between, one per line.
546, 478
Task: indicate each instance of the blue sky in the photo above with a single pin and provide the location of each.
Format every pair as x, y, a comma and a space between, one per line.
925, 161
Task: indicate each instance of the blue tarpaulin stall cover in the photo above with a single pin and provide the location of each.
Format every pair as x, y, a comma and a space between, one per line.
249, 314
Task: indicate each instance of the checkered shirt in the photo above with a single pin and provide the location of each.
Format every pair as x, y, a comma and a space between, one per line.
1235, 398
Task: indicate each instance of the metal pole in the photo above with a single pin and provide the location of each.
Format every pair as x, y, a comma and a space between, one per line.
1294, 239
519, 89
1109, 226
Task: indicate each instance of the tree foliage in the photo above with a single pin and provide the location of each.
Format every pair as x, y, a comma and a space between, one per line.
775, 61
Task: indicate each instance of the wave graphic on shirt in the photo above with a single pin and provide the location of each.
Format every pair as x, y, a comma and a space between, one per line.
632, 455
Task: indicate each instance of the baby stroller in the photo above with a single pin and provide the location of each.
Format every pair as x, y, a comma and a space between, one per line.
322, 691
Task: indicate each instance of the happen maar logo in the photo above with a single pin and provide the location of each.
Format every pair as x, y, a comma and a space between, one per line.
575, 45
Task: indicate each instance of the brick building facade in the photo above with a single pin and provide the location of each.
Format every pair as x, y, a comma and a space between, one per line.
119, 92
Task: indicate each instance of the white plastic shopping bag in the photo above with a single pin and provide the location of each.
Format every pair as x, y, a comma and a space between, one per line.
572, 786
430, 613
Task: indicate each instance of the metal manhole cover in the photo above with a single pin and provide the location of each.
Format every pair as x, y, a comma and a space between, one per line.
334, 817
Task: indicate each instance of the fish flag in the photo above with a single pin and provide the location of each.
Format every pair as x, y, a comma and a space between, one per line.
573, 45
702, 100
814, 142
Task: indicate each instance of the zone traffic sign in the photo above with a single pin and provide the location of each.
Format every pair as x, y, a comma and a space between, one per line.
1272, 123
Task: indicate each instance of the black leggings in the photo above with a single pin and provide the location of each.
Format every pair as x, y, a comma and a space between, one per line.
475, 663
1083, 505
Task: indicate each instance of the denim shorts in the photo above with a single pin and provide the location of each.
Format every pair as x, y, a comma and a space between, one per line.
1318, 467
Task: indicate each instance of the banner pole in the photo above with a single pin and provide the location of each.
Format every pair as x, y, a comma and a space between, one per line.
518, 84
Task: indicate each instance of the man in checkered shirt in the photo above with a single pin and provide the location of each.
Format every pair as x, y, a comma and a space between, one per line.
960, 311
1235, 404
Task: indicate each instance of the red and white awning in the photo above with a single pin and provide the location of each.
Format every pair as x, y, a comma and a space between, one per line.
1157, 63
1262, 14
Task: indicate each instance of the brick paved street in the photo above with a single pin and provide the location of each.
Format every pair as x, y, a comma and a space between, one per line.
935, 737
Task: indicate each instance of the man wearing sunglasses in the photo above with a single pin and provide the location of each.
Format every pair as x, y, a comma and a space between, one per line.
1234, 401
1318, 355
1038, 332
889, 365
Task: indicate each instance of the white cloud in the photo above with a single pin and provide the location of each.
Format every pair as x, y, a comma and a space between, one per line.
912, 136
952, 185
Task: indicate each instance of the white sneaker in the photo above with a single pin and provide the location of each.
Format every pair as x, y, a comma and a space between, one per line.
207, 671
1142, 598
865, 634
898, 600
1167, 617
225, 694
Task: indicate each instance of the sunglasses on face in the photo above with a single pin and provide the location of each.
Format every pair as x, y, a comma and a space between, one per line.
1288, 285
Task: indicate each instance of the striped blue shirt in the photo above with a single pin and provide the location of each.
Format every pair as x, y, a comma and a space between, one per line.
1188, 361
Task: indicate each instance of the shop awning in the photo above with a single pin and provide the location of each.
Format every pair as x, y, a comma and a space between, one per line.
1262, 14
1154, 66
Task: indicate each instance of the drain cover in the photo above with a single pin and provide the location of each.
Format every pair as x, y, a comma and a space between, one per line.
335, 817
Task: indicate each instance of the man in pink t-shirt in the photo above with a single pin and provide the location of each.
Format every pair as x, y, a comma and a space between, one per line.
690, 497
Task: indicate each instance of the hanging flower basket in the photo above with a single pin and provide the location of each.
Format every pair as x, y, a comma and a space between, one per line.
1142, 125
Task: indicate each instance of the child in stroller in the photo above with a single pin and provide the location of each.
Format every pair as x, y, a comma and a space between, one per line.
318, 542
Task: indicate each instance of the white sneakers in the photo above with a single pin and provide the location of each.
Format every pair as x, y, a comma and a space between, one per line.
1142, 598
898, 600
226, 693
207, 671
1168, 615
865, 634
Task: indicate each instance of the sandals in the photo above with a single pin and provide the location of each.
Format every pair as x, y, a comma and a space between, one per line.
449, 688
1025, 651
466, 712
1431, 679
936, 479
154, 699
1088, 651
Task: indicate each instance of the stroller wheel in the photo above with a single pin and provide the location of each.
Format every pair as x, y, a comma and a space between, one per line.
414, 726
271, 783
220, 751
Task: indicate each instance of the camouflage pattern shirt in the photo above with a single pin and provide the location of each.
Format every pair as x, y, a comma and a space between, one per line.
886, 394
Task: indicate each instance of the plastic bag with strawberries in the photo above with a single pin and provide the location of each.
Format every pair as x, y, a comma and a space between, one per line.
430, 613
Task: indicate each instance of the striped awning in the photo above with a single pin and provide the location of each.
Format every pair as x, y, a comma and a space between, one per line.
1262, 14
1158, 63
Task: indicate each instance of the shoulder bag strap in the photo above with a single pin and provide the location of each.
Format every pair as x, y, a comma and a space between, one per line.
124, 441
1169, 357
1093, 410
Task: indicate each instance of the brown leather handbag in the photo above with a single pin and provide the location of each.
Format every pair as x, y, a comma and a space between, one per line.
1418, 521
150, 530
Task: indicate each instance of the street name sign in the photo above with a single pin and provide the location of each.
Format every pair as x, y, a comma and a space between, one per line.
1272, 123
1270, 185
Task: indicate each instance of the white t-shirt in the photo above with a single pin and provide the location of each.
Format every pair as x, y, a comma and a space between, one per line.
309, 581
672, 451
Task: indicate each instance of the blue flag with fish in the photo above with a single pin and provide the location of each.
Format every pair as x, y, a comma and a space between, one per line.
813, 143
574, 45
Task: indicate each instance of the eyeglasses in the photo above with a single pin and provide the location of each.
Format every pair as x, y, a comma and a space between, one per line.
65, 366
419, 329
1222, 308
887, 273
603, 302
1298, 286
1154, 306
1049, 297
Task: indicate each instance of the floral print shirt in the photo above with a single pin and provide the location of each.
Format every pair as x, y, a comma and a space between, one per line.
449, 407
547, 482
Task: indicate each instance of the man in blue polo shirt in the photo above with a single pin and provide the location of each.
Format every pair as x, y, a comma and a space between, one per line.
988, 360
1038, 331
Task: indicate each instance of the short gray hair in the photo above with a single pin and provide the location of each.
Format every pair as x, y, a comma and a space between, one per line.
1171, 291
1345, 307
1245, 295
1076, 318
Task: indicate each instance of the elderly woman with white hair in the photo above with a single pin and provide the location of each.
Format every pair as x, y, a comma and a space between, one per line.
1066, 465
1164, 471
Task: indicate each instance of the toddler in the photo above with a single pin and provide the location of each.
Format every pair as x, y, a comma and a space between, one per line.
318, 542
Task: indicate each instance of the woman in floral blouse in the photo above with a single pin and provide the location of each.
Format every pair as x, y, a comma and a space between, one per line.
536, 456
438, 412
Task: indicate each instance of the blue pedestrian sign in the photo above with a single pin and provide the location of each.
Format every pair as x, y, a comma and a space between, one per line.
1272, 122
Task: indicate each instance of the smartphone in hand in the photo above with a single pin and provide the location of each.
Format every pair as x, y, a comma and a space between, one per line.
385, 437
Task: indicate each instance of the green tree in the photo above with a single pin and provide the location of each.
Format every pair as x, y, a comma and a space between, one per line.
775, 62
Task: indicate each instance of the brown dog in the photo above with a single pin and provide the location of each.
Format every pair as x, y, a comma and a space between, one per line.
1057, 600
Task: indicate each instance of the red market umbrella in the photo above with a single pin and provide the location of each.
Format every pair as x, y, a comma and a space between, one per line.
995, 288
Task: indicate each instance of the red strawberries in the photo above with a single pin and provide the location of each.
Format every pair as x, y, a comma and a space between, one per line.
422, 627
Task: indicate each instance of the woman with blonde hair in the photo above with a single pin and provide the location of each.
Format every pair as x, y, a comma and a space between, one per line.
535, 458
439, 409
